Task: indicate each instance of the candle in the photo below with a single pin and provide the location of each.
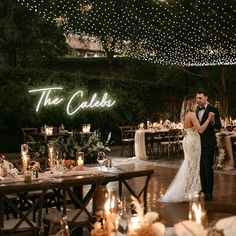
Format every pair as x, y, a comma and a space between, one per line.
110, 217
80, 160
24, 157
51, 160
24, 163
197, 212
110, 208
86, 128
49, 130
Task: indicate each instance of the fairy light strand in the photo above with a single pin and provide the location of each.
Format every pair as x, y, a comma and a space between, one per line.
175, 32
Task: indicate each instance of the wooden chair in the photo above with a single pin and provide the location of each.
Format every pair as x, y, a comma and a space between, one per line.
24, 225
173, 142
80, 215
27, 134
127, 138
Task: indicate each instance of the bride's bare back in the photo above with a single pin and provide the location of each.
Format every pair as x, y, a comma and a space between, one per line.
190, 121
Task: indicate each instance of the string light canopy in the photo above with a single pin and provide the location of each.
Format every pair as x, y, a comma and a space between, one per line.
169, 32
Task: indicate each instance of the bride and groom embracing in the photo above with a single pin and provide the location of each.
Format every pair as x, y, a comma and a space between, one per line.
196, 172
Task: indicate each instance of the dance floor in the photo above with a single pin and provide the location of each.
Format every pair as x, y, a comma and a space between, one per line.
224, 194
164, 172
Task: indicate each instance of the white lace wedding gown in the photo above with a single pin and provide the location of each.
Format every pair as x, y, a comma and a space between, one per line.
187, 180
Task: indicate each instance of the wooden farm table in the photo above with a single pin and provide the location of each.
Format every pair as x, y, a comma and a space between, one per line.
124, 172
141, 138
46, 138
121, 173
20, 190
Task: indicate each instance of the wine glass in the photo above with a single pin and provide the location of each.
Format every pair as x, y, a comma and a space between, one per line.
101, 158
59, 169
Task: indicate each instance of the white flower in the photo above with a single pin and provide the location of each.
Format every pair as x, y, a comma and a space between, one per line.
7, 169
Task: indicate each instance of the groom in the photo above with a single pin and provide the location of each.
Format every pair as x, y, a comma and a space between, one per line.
208, 142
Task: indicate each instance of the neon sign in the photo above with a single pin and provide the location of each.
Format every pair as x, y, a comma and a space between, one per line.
75, 102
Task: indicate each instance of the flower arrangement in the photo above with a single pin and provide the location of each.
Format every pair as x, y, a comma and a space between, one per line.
66, 147
93, 145
7, 169
146, 224
220, 159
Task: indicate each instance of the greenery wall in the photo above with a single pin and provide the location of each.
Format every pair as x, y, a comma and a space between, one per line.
142, 91
137, 101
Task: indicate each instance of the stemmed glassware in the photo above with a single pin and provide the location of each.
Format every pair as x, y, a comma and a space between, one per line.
101, 158
59, 168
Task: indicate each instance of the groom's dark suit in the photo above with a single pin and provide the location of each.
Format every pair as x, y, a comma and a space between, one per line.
208, 144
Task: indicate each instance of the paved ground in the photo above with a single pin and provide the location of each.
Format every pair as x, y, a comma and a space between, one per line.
164, 172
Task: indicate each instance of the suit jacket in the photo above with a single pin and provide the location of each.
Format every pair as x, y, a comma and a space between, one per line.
208, 138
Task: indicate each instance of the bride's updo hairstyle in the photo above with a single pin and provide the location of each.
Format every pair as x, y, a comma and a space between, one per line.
188, 105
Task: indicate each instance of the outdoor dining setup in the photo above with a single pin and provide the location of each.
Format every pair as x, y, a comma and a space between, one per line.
152, 139
78, 197
226, 143
62, 186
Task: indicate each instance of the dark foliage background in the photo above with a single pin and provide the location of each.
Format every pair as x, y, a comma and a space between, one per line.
137, 101
143, 92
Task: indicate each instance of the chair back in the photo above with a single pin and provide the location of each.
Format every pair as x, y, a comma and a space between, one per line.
27, 132
127, 132
24, 224
81, 214
174, 136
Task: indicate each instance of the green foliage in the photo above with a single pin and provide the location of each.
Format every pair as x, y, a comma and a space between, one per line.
25, 39
136, 101
67, 146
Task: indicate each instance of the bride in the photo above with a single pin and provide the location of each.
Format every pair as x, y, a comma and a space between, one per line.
187, 180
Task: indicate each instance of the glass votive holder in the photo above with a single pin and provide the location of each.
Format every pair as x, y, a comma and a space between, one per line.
86, 128
80, 160
49, 130
28, 176
122, 217
197, 210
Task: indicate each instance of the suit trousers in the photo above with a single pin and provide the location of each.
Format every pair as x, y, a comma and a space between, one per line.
206, 169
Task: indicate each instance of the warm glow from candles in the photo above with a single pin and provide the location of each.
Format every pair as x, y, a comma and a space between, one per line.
24, 157
24, 163
86, 128
198, 212
49, 130
107, 207
80, 163
51, 160
80, 160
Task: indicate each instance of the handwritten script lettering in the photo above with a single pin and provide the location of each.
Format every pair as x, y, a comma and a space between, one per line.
75, 102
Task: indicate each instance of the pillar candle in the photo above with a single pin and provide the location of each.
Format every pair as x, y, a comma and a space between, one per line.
24, 157
24, 163
80, 160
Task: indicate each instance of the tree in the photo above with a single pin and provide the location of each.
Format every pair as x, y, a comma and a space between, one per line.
25, 38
